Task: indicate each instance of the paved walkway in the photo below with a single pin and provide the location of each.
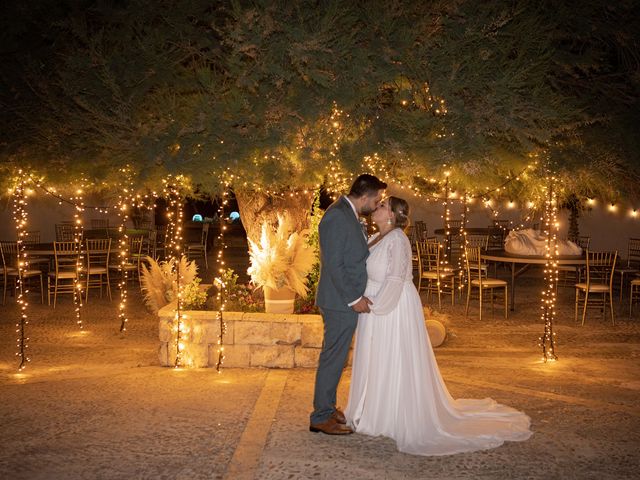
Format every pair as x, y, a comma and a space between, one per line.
95, 404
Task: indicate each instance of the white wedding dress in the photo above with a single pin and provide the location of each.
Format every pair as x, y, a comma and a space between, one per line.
396, 387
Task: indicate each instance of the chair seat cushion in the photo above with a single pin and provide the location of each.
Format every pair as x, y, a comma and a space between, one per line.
489, 282
594, 287
63, 275
97, 270
433, 275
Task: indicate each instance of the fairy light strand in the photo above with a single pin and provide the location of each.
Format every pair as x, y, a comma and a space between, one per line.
20, 217
548, 298
222, 290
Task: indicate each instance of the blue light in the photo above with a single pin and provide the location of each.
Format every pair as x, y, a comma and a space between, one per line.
234, 216
197, 218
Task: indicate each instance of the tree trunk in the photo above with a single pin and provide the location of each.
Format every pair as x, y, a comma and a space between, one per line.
258, 207
574, 229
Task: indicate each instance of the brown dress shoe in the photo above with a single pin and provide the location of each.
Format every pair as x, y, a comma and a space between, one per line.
339, 416
330, 427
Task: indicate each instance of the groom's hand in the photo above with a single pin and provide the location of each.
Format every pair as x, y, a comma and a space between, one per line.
362, 306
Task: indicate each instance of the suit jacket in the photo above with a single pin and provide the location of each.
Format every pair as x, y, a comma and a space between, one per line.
343, 256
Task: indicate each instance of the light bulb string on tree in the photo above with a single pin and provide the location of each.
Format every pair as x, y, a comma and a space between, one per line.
20, 218
124, 246
548, 298
221, 296
175, 199
78, 240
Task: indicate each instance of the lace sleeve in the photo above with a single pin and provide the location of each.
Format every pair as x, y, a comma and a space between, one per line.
399, 257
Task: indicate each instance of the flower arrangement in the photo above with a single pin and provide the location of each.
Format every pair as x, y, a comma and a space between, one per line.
159, 284
281, 259
239, 296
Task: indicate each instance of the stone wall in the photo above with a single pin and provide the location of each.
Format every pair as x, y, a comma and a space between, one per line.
251, 340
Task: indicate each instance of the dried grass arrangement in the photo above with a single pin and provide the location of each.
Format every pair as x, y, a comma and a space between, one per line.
282, 258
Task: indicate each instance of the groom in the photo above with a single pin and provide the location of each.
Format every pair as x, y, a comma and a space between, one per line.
340, 295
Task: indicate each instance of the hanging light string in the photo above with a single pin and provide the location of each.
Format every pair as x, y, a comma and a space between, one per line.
124, 205
77, 239
221, 296
20, 218
174, 197
548, 298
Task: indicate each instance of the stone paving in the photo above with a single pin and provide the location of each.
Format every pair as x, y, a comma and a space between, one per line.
96, 404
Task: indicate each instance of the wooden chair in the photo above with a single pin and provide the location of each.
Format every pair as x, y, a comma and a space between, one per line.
159, 251
568, 274
481, 241
98, 223
496, 236
33, 238
420, 230
67, 268
10, 271
199, 250
440, 278
97, 273
65, 232
634, 295
132, 261
633, 262
598, 285
476, 280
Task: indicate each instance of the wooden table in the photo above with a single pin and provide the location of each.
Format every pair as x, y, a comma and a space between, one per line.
526, 261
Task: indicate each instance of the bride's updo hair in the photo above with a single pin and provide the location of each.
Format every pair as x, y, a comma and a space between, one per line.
400, 209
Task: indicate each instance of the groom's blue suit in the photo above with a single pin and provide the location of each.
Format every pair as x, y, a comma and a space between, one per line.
343, 278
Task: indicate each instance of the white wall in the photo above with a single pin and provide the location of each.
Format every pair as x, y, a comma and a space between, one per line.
608, 230
44, 212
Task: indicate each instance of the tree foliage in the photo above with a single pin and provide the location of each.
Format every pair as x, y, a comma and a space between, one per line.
197, 87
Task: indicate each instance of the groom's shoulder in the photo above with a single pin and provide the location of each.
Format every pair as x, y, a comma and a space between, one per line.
337, 207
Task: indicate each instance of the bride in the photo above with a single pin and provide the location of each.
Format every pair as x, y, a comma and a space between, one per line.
396, 387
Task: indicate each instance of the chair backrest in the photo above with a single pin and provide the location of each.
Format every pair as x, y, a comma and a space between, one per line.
98, 251
633, 252
99, 223
9, 253
135, 246
600, 267
473, 263
477, 240
583, 241
455, 224
428, 255
496, 235
31, 237
420, 230
65, 232
66, 256
205, 234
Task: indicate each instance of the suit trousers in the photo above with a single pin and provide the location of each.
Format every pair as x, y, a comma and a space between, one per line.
339, 327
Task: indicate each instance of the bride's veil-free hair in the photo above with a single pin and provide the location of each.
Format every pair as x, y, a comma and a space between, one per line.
400, 209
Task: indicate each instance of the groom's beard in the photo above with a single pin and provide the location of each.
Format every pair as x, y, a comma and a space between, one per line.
366, 211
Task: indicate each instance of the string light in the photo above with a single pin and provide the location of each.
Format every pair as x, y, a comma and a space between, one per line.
78, 203
124, 204
221, 296
548, 299
173, 194
20, 219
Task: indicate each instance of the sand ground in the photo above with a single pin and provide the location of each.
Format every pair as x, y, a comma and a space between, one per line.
95, 404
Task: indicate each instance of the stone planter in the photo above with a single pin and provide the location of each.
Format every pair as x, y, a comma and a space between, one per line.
279, 300
251, 340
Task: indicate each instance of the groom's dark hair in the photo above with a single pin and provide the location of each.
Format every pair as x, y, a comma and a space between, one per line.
366, 184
